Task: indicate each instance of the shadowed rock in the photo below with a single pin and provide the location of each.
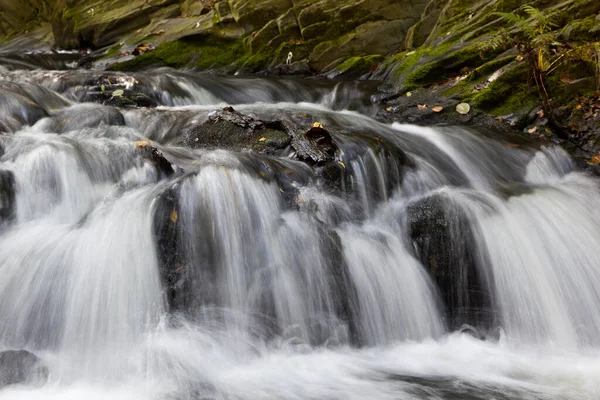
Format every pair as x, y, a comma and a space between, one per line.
21, 366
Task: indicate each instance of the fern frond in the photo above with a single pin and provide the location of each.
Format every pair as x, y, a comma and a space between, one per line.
511, 18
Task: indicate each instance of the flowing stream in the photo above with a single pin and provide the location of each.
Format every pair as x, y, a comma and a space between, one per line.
442, 262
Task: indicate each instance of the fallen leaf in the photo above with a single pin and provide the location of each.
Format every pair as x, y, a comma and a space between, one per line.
533, 130
287, 171
421, 106
388, 109
437, 109
141, 144
512, 145
408, 94
519, 58
317, 125
262, 139
179, 268
173, 216
540, 113
463, 108
342, 164
595, 159
118, 93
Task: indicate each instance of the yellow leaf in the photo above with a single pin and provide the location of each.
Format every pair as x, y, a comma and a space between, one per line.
595, 159
437, 109
317, 125
421, 106
519, 57
388, 109
342, 164
142, 143
174, 215
262, 139
533, 130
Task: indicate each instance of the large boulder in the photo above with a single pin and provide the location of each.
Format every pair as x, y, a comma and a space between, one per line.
21, 366
443, 240
229, 129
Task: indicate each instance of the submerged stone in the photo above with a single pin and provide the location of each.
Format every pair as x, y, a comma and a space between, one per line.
21, 366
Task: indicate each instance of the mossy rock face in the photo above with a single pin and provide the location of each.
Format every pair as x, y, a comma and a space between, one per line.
439, 69
314, 31
288, 25
186, 53
356, 67
193, 8
261, 38
253, 14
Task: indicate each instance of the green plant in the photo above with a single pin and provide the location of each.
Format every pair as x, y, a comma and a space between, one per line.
536, 37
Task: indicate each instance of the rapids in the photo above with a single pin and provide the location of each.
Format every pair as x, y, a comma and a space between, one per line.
247, 276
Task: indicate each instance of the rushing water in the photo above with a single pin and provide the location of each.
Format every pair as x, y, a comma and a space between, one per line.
252, 277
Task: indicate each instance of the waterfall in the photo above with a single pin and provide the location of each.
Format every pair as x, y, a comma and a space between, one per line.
248, 275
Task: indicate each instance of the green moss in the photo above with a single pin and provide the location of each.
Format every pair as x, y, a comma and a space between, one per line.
442, 48
113, 51
270, 139
438, 70
408, 60
507, 94
360, 65
489, 68
179, 54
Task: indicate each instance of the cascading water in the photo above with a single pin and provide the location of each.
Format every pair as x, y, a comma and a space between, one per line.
252, 276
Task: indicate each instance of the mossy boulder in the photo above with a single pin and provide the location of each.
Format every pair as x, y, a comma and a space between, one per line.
356, 67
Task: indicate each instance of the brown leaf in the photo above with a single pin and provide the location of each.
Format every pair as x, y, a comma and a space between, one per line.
595, 159
437, 109
519, 58
141, 144
540, 113
173, 216
262, 139
532, 130
421, 106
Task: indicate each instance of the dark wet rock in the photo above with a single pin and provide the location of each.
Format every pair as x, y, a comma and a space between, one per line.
444, 242
83, 116
17, 109
298, 68
229, 129
21, 366
7, 195
119, 91
151, 153
120, 98
314, 145
170, 255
